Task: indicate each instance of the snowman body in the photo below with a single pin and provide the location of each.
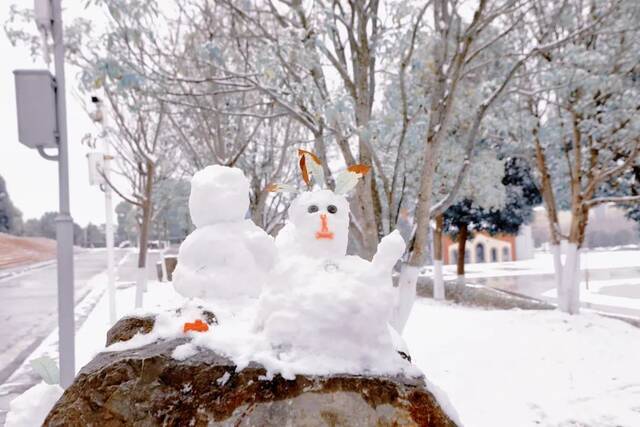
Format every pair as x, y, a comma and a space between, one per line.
344, 302
226, 257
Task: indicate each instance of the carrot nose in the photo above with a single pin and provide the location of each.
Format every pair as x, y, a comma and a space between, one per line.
324, 232
325, 223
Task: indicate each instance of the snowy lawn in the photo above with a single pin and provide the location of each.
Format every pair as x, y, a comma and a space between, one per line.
529, 368
542, 263
596, 293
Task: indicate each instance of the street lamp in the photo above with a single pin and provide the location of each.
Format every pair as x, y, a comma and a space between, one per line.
42, 124
99, 173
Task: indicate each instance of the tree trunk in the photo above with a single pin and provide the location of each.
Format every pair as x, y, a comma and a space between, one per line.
257, 210
423, 208
569, 290
569, 294
438, 281
417, 257
556, 252
406, 296
564, 273
141, 279
462, 244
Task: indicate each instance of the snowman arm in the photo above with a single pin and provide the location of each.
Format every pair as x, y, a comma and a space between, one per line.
263, 248
390, 249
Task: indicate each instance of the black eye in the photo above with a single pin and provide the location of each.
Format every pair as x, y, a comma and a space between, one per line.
332, 209
312, 209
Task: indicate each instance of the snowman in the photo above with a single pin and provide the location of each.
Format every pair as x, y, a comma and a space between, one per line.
226, 258
320, 306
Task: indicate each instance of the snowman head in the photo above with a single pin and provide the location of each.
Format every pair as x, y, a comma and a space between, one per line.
321, 217
218, 194
321, 220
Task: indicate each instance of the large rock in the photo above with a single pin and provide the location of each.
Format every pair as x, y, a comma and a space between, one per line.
147, 387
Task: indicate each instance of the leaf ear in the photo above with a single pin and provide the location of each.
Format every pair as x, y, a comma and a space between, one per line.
345, 182
304, 171
281, 188
348, 179
360, 169
309, 162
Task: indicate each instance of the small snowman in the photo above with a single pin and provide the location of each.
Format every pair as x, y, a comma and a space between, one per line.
320, 306
226, 258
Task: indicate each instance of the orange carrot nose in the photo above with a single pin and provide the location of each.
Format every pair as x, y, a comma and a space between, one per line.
324, 232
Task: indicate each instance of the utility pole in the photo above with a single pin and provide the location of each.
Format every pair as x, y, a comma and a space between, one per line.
42, 124
64, 222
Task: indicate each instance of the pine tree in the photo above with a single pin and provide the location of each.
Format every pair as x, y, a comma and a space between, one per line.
10, 216
465, 218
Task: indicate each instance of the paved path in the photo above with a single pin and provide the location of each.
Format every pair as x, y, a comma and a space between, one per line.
28, 305
539, 285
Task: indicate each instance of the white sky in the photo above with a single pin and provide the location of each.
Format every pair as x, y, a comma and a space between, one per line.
32, 181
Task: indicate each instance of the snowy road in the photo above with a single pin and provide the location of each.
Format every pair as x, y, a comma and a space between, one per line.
28, 309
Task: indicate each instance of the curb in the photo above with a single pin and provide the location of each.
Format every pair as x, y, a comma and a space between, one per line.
19, 271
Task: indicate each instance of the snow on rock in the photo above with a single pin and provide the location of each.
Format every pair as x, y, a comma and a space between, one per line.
529, 368
184, 351
226, 257
146, 386
31, 407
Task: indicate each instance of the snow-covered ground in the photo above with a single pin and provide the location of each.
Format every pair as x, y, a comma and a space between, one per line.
610, 278
596, 293
542, 263
529, 368
498, 368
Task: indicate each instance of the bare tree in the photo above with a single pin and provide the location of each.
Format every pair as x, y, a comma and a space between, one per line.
580, 101
143, 155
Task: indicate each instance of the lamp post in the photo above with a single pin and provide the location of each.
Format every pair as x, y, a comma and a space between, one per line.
104, 179
64, 222
41, 96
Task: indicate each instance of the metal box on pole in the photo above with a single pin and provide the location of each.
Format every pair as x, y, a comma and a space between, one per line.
36, 105
96, 168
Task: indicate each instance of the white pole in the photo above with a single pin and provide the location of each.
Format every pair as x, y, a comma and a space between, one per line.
108, 206
101, 117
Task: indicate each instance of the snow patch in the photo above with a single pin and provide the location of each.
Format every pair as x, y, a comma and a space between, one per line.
526, 368
184, 351
223, 379
32, 407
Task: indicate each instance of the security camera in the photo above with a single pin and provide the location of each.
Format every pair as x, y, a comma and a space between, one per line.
96, 115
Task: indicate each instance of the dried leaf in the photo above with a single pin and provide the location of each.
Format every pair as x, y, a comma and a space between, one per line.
346, 181
313, 156
281, 188
359, 169
316, 172
303, 169
311, 166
